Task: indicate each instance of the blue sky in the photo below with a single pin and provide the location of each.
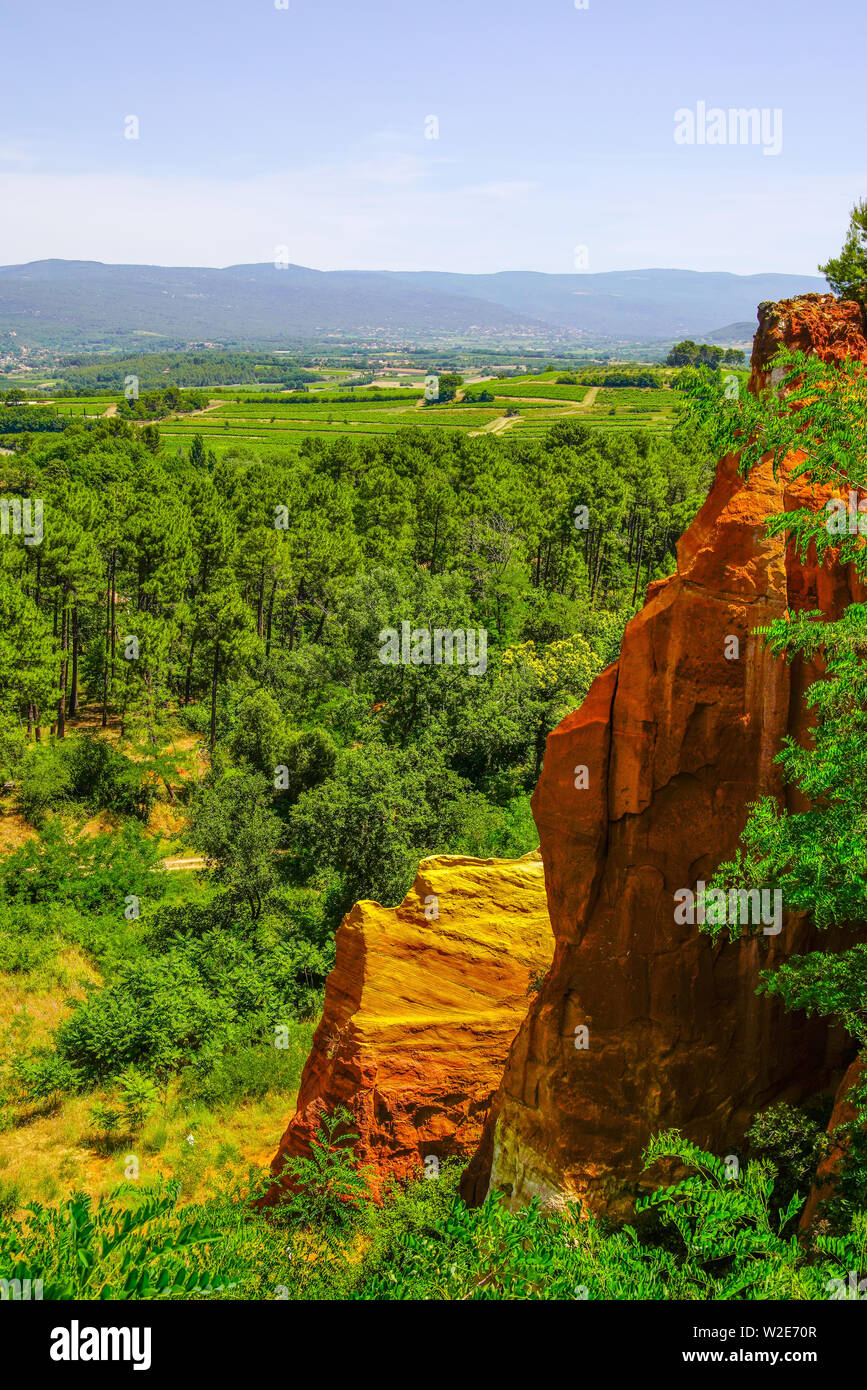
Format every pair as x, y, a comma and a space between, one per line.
305, 128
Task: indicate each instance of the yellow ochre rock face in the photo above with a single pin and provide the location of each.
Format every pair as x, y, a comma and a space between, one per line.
421, 1009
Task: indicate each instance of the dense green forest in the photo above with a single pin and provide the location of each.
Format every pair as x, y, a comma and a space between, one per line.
86, 372
190, 660
253, 590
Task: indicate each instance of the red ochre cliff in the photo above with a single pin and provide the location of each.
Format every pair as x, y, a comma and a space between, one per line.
678, 740
420, 1010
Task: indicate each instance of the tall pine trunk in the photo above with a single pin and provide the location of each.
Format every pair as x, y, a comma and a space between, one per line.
260, 605
61, 698
214, 678
638, 564
270, 620
73, 686
109, 627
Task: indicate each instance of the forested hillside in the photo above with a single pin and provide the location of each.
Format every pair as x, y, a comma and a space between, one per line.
239, 693
191, 671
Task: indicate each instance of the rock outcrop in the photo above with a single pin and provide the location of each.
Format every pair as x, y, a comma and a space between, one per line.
678, 738
420, 1010
813, 323
845, 1114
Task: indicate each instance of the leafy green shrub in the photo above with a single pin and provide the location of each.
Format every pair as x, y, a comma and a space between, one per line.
250, 1071
191, 1004
82, 1250
25, 944
329, 1185
45, 782
43, 1073
379, 815
262, 738
90, 872
421, 1242
106, 780
235, 828
105, 1118
13, 750
153, 1014
138, 1098
794, 1140
82, 769
196, 717
10, 1197
257, 734
849, 1196
309, 757
731, 1238
125, 1114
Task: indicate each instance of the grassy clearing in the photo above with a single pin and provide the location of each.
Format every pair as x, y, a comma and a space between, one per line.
47, 1155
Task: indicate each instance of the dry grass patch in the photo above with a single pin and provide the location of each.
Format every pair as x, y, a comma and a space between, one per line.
57, 1153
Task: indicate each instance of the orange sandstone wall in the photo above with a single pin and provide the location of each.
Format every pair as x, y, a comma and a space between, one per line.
678, 741
420, 1009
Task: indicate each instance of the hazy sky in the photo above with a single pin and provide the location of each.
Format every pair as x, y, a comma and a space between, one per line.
305, 128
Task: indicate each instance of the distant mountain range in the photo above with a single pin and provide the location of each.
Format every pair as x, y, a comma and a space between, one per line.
88, 304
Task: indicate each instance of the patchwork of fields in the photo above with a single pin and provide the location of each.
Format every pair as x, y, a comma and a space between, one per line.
521, 407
